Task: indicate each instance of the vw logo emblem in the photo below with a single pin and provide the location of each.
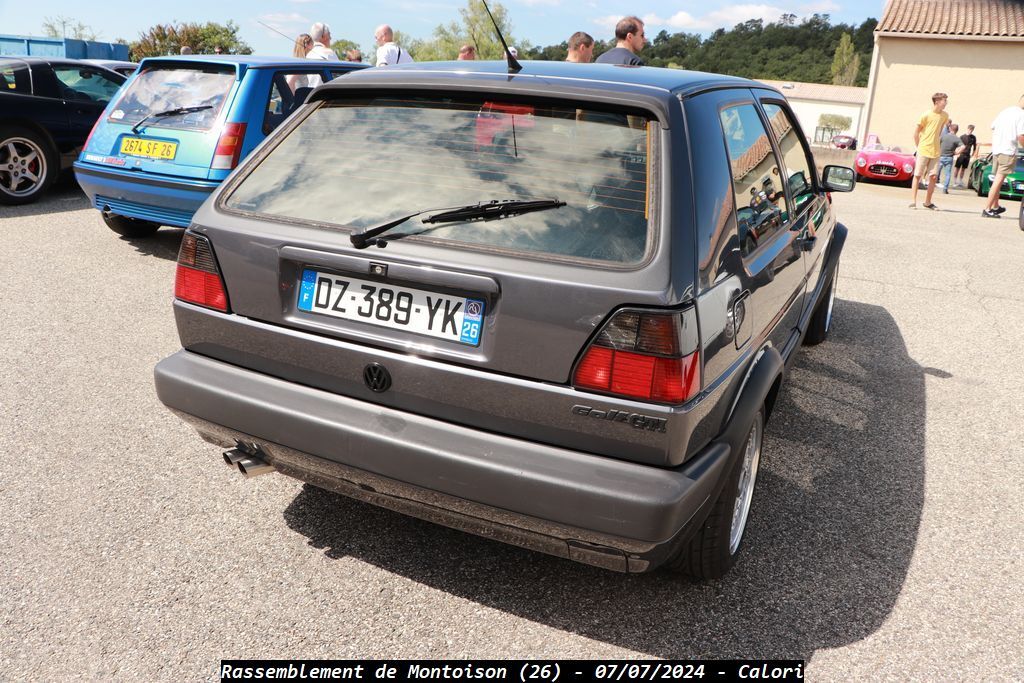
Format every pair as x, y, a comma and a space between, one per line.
377, 377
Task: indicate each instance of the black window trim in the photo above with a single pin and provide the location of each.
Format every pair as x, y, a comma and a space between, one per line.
754, 257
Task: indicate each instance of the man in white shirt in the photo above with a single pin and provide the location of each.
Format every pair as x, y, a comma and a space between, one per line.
1007, 139
321, 35
388, 53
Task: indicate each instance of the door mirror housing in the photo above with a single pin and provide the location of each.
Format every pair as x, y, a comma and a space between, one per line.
839, 179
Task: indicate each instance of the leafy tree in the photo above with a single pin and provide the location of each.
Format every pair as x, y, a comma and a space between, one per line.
64, 27
845, 63
342, 45
835, 121
473, 28
167, 39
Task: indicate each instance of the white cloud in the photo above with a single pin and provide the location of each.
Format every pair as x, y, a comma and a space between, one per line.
820, 7
724, 17
279, 18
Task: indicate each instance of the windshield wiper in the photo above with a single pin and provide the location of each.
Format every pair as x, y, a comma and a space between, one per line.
170, 112
482, 211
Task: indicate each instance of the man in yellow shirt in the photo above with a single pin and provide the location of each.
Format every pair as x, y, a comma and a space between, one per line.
926, 138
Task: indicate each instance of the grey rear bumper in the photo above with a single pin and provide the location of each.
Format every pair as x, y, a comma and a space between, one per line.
588, 508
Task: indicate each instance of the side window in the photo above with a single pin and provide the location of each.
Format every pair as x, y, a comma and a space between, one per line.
85, 85
287, 91
756, 178
800, 179
14, 78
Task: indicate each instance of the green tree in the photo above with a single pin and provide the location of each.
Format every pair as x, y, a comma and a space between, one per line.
64, 27
473, 28
835, 121
845, 63
343, 45
168, 39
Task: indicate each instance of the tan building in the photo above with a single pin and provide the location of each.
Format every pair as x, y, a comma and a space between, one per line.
973, 50
811, 100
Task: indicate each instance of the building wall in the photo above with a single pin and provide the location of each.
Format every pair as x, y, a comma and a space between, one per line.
981, 78
808, 112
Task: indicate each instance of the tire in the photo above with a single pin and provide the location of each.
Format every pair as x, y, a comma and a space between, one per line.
821, 319
28, 165
1020, 216
129, 227
979, 187
713, 550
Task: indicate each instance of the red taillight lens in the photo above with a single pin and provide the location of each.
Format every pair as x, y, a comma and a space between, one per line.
198, 280
229, 146
640, 355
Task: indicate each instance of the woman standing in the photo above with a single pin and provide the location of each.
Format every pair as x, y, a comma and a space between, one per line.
303, 44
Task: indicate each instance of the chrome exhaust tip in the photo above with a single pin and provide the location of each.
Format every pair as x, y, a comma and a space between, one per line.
253, 466
232, 457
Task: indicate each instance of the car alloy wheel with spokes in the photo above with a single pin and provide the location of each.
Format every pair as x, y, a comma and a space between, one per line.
745, 485
22, 167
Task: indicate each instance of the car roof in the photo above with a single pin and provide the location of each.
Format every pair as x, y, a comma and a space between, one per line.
252, 61
579, 75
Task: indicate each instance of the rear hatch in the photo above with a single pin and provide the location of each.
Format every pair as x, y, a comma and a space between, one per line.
482, 318
168, 119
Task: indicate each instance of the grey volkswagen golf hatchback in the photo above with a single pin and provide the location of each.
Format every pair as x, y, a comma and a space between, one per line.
553, 308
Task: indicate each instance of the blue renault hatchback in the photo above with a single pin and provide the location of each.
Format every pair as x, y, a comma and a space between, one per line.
180, 125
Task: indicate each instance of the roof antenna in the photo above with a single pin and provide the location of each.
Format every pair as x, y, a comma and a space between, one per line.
514, 66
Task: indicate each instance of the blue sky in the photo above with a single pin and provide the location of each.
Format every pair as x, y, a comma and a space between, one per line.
543, 22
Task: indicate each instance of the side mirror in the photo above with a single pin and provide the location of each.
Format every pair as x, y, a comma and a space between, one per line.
839, 179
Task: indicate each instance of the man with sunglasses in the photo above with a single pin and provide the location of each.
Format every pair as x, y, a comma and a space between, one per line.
630, 39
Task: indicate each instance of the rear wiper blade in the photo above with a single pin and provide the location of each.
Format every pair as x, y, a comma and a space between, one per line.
492, 210
170, 112
482, 211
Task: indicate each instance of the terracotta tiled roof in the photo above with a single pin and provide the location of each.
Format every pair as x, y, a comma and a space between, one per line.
821, 92
981, 19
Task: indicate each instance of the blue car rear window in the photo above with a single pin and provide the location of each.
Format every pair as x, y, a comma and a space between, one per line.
163, 88
359, 163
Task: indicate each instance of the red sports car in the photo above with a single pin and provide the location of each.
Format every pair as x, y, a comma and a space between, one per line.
876, 162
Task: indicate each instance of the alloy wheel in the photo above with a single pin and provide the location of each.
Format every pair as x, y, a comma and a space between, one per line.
22, 166
745, 487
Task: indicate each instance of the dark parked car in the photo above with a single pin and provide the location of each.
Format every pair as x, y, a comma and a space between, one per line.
844, 142
47, 108
565, 345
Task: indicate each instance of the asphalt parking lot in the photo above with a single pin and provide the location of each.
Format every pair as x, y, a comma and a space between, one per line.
885, 540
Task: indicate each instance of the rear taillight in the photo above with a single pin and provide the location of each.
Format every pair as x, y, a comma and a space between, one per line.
198, 279
229, 146
643, 355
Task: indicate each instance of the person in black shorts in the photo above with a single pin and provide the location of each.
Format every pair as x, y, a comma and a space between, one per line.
963, 160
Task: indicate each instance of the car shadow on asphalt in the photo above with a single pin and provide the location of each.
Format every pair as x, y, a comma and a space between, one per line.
64, 195
831, 536
164, 243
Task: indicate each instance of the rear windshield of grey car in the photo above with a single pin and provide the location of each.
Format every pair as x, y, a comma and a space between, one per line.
161, 89
362, 163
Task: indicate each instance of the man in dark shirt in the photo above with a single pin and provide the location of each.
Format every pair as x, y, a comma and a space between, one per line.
964, 159
630, 39
949, 147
